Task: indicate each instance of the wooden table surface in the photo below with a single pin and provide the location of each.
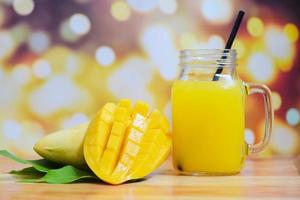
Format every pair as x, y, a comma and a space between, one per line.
272, 178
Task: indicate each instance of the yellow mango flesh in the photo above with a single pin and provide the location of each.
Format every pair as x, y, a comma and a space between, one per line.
123, 143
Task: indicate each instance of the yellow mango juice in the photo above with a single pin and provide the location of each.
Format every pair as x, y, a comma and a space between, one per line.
208, 126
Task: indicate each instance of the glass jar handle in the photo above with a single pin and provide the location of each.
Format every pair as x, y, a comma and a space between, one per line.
269, 115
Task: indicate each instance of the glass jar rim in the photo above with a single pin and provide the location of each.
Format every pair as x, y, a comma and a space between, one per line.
223, 57
191, 52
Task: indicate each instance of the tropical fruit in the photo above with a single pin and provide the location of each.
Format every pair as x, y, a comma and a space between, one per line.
64, 147
124, 143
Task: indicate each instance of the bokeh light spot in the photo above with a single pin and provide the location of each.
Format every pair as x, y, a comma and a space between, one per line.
255, 26
11, 129
7, 46
261, 67
276, 100
162, 52
39, 41
215, 42
167, 6
188, 40
217, 11
41, 68
292, 116
105, 55
291, 32
66, 33
249, 136
76, 119
143, 6
23, 7
240, 48
120, 11
80, 24
285, 140
21, 74
132, 79
278, 44
52, 97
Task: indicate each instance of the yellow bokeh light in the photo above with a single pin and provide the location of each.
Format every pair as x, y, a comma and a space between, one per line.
23, 7
120, 11
291, 32
188, 40
66, 33
285, 140
240, 48
255, 26
276, 100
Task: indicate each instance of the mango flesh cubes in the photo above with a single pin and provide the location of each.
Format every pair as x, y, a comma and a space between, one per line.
124, 143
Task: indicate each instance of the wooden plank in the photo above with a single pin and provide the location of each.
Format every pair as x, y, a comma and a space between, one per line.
275, 178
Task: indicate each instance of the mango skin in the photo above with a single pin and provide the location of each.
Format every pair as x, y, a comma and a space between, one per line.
64, 147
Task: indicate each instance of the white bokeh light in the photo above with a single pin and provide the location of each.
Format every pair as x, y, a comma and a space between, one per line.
66, 33
162, 52
132, 79
167, 6
8, 44
282, 48
249, 136
11, 129
143, 6
293, 116
76, 119
217, 11
41, 68
21, 74
59, 92
105, 55
39, 41
80, 24
23, 7
285, 140
261, 67
215, 42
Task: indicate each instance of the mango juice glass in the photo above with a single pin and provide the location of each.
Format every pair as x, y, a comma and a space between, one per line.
208, 114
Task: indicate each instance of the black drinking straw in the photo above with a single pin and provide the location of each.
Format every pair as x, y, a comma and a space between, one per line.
230, 40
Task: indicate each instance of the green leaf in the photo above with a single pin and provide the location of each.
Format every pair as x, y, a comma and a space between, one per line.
67, 174
45, 171
26, 171
41, 165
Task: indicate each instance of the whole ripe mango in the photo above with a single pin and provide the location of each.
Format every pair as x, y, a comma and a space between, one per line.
122, 144
64, 146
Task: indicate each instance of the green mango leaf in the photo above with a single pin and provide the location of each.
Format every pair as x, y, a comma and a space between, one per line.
28, 171
44, 171
67, 174
41, 165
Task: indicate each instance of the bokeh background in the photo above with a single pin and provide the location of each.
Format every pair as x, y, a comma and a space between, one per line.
61, 60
